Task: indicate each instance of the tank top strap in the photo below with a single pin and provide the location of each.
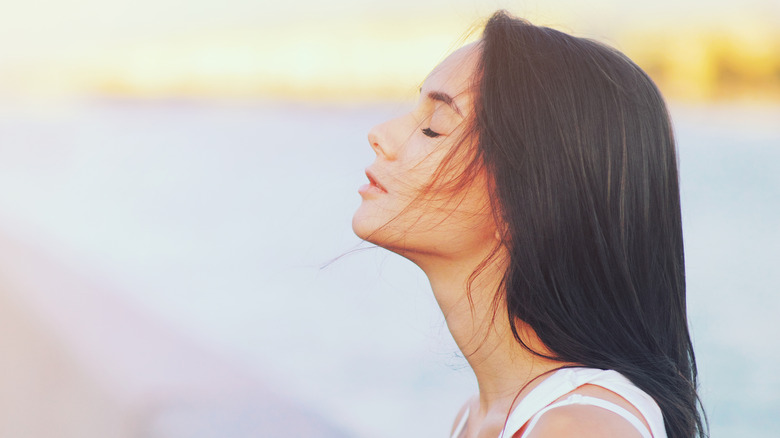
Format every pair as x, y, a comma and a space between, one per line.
567, 380
462, 423
550, 389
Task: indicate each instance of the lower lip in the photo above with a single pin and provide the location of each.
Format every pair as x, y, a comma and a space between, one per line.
370, 189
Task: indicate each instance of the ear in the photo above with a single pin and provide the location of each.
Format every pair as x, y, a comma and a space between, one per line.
502, 232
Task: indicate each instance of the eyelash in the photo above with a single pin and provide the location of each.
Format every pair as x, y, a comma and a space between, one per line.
430, 133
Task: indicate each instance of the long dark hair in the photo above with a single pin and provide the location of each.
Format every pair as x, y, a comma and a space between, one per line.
581, 156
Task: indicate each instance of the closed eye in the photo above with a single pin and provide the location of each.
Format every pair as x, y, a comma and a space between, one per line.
430, 133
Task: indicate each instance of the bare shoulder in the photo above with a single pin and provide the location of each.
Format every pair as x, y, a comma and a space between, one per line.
582, 421
462, 412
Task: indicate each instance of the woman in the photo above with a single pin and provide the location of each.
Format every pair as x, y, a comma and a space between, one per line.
535, 183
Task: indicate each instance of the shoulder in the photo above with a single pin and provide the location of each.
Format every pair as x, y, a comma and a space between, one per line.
582, 421
462, 412
586, 419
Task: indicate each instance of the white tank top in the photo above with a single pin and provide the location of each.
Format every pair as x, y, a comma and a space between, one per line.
542, 398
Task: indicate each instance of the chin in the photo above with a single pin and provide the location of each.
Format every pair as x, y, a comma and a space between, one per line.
364, 224
378, 230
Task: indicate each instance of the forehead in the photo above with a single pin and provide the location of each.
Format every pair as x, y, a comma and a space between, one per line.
455, 74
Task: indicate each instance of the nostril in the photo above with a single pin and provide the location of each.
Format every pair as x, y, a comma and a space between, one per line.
378, 141
375, 144
372, 138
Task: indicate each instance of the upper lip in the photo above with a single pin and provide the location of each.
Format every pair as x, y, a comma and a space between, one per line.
372, 179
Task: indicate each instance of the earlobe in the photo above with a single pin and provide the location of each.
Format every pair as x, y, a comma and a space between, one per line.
502, 232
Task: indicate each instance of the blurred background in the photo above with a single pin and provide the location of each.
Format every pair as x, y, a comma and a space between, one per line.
177, 176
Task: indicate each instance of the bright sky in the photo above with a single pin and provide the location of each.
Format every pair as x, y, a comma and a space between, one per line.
239, 47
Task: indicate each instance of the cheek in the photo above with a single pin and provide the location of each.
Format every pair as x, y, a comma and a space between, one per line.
427, 210
418, 162
432, 224
460, 206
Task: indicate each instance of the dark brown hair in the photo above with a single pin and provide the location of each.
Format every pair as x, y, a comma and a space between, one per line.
580, 158
579, 149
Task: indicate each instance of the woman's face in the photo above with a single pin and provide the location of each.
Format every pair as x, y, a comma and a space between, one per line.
397, 212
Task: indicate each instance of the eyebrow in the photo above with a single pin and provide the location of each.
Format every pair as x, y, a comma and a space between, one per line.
445, 98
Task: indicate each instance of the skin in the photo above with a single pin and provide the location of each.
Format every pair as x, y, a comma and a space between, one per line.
407, 160
448, 237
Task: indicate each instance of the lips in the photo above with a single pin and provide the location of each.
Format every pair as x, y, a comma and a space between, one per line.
373, 188
374, 182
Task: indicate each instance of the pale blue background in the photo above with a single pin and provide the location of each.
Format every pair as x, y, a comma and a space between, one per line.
219, 218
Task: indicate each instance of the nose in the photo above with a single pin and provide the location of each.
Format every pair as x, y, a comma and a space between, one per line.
380, 141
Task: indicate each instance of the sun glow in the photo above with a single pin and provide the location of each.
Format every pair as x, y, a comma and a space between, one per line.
378, 58
368, 61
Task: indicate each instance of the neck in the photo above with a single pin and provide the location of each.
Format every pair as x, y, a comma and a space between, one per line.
482, 330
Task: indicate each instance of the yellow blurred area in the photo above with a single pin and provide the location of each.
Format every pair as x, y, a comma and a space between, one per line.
385, 59
363, 61
739, 60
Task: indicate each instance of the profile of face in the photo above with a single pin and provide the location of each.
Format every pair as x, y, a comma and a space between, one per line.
409, 206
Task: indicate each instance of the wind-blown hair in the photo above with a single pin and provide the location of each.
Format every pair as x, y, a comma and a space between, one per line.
578, 145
